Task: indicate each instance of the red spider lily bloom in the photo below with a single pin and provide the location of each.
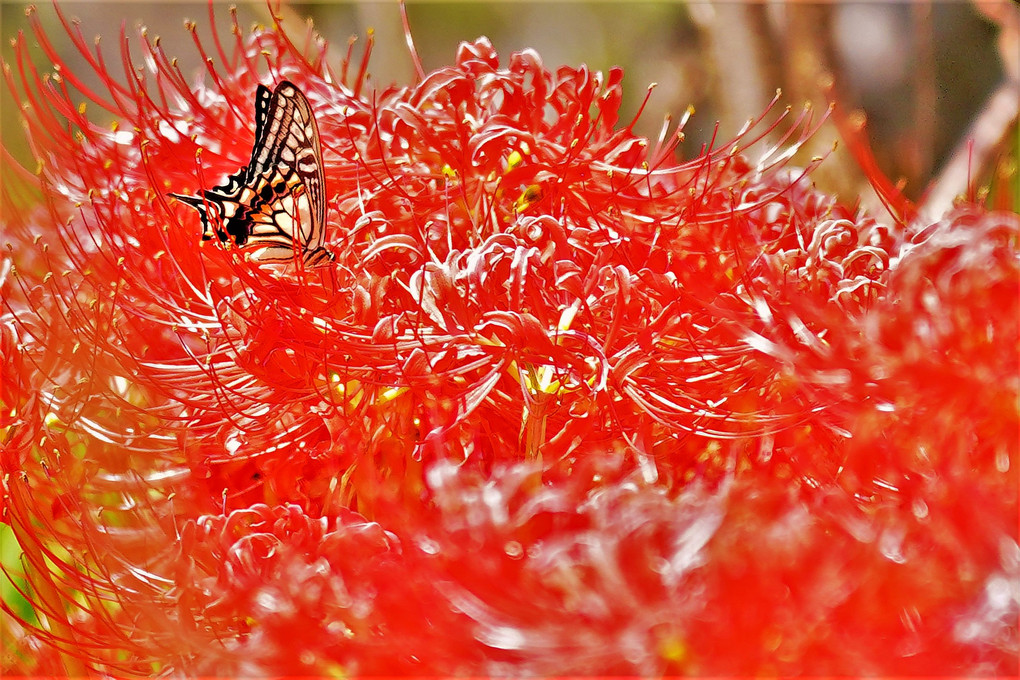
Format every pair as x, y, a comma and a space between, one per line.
558, 404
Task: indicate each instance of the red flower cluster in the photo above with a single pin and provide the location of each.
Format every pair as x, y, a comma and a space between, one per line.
559, 404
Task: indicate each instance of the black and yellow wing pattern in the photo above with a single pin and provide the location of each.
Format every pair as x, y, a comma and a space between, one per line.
276, 205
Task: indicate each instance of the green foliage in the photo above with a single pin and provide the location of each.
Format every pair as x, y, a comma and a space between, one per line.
10, 582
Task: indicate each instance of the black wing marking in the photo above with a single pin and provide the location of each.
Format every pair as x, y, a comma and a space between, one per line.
276, 204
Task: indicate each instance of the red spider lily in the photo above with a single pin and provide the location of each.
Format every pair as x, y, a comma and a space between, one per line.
560, 404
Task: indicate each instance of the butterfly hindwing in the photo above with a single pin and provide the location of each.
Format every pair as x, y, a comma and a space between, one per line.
276, 204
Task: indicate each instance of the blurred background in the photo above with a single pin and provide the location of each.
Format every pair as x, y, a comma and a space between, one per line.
928, 76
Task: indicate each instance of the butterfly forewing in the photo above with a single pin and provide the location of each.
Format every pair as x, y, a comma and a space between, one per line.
276, 204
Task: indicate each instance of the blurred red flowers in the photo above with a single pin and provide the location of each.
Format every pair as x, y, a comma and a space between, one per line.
559, 405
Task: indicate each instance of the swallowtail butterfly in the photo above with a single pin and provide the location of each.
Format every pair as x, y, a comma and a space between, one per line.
276, 204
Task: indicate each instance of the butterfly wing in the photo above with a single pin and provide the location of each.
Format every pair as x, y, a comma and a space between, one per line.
276, 203
285, 175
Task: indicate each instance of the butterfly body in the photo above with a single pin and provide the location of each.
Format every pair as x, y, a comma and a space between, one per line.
275, 206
